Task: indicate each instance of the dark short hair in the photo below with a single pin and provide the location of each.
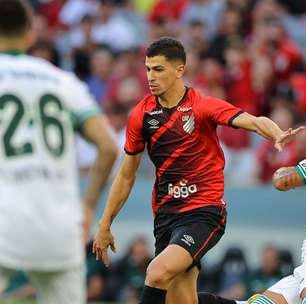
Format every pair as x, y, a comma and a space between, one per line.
170, 48
15, 17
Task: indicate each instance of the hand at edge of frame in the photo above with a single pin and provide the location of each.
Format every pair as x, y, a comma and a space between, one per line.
103, 240
286, 137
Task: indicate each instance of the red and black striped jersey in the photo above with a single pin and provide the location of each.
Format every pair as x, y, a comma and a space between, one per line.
183, 145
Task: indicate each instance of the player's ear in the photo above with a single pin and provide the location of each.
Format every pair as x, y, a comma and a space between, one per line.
180, 70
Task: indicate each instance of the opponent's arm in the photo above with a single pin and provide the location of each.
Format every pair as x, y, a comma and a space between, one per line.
94, 130
287, 178
266, 128
119, 193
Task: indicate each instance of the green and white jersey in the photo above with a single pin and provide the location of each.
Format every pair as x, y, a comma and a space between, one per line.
40, 205
301, 168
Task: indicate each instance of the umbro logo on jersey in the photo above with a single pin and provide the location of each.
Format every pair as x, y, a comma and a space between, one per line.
154, 124
189, 124
156, 112
184, 109
188, 239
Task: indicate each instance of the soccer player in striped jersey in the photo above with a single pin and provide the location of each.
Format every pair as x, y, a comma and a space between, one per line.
178, 126
42, 223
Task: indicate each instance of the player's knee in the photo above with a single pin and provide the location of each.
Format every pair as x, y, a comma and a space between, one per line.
159, 275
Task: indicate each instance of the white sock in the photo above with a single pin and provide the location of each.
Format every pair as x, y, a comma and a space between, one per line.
262, 300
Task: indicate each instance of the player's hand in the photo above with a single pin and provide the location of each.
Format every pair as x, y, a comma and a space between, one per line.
88, 218
286, 137
103, 240
286, 178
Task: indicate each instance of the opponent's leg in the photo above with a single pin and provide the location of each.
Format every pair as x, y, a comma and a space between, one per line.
274, 297
65, 287
161, 272
283, 292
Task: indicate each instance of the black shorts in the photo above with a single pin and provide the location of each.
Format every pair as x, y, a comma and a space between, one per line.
197, 230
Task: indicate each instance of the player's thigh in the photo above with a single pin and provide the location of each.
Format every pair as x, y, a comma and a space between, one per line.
285, 291
202, 232
65, 287
183, 289
5, 276
172, 261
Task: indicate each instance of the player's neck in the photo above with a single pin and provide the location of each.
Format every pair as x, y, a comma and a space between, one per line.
173, 96
8, 44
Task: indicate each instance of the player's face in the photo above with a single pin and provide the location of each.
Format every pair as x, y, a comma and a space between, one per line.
162, 74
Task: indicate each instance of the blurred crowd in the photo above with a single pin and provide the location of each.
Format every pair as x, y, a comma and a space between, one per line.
231, 277
250, 52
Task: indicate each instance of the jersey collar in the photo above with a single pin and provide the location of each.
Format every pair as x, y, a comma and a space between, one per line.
179, 103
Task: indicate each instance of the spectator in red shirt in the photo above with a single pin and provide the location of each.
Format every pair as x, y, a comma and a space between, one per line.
167, 9
268, 160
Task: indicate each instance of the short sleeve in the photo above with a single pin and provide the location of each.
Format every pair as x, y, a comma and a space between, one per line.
219, 111
82, 104
135, 141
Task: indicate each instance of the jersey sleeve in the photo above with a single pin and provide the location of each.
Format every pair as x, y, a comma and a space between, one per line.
219, 111
82, 105
301, 169
135, 141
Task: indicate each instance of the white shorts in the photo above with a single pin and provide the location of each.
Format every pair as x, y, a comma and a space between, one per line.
291, 287
65, 287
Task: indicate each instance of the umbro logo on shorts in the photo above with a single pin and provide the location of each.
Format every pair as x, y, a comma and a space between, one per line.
188, 239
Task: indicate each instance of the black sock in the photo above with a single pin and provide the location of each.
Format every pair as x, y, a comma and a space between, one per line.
151, 295
209, 298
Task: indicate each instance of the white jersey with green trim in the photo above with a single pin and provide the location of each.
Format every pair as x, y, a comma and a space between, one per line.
40, 205
301, 168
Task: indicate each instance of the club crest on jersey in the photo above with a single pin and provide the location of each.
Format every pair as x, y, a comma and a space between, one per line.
189, 123
154, 124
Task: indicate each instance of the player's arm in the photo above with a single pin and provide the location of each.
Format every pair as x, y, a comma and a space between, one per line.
266, 128
287, 178
119, 193
94, 130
